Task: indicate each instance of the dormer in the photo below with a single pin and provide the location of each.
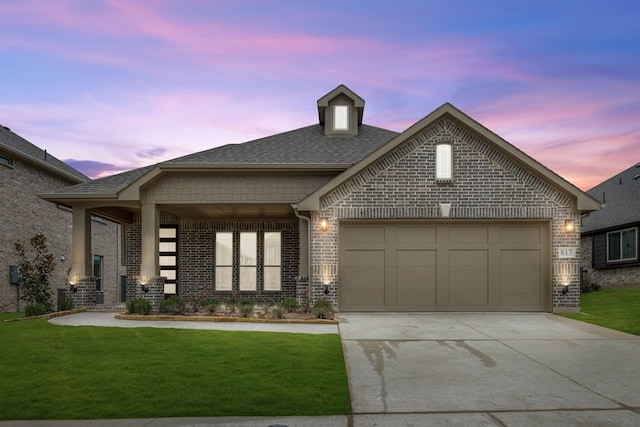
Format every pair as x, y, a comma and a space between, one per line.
340, 112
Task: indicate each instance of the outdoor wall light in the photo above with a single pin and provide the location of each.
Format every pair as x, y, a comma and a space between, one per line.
569, 225
73, 288
565, 289
63, 258
324, 224
326, 289
144, 288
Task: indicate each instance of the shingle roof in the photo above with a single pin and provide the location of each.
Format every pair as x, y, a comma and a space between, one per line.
621, 195
307, 145
16, 143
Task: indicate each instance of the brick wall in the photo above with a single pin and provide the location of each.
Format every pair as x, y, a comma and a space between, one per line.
25, 215
605, 277
196, 255
486, 185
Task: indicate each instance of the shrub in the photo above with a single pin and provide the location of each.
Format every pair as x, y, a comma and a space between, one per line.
211, 305
322, 309
305, 307
197, 302
173, 305
279, 311
65, 304
246, 308
35, 309
138, 305
232, 302
290, 304
35, 272
586, 287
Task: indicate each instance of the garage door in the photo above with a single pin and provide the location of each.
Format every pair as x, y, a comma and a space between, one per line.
444, 267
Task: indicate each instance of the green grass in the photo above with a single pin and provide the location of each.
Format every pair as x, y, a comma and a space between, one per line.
613, 308
63, 372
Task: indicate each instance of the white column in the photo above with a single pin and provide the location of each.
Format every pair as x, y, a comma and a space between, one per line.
82, 263
150, 224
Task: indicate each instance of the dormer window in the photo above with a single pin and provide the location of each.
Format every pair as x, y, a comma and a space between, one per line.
341, 118
340, 112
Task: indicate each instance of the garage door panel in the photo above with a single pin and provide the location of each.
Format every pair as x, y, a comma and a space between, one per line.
520, 278
364, 271
521, 234
363, 235
468, 234
416, 234
468, 273
416, 279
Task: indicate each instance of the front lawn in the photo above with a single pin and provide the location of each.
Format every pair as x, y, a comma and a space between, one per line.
62, 372
613, 308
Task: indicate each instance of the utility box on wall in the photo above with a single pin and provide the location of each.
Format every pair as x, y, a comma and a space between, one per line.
14, 274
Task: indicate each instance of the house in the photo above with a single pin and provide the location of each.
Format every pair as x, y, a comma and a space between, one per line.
610, 235
444, 216
24, 171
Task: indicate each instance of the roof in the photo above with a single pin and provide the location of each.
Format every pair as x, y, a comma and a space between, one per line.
304, 148
20, 147
620, 196
584, 202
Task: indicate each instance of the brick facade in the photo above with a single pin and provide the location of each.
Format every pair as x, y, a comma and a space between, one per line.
487, 185
196, 255
25, 215
605, 277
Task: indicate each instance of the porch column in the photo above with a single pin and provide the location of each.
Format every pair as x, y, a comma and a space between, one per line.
149, 266
81, 285
82, 263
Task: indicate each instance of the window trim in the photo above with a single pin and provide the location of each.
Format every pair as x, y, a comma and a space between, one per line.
619, 232
266, 266
252, 267
439, 160
217, 266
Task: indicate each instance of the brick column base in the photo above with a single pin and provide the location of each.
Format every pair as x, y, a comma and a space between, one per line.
148, 287
81, 290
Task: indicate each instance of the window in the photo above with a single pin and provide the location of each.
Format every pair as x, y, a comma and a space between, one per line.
224, 261
272, 261
622, 245
168, 257
248, 261
341, 117
97, 270
6, 161
444, 162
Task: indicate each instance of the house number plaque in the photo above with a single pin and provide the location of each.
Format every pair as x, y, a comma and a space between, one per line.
566, 252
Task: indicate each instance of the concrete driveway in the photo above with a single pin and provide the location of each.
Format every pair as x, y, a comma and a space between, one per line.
489, 370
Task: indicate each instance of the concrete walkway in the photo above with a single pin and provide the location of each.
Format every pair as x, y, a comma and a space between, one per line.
489, 370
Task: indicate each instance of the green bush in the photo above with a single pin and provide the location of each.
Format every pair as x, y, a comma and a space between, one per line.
322, 309
246, 308
35, 267
290, 304
35, 309
233, 302
211, 305
138, 306
586, 287
279, 311
173, 305
65, 304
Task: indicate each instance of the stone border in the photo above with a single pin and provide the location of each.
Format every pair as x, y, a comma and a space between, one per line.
162, 317
48, 315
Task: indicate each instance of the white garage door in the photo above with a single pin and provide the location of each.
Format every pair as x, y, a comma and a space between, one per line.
444, 266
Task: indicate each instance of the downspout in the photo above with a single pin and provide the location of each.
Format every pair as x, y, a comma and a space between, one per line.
306, 218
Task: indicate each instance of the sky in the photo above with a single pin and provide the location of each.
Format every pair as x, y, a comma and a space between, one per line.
112, 85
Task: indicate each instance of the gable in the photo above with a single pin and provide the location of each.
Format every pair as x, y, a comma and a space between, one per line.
489, 173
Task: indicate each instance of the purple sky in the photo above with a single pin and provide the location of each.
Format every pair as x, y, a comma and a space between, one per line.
112, 85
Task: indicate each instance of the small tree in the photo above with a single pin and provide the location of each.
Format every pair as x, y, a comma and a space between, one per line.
35, 268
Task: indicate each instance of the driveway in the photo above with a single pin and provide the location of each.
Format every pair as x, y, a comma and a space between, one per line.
489, 370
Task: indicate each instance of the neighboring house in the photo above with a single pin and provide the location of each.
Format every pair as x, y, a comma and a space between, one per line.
445, 216
24, 171
610, 235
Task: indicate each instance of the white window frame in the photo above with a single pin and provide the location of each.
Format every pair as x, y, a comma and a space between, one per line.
272, 265
248, 262
621, 248
341, 118
444, 161
223, 264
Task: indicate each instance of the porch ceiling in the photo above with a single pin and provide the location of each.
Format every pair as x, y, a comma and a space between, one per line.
227, 210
